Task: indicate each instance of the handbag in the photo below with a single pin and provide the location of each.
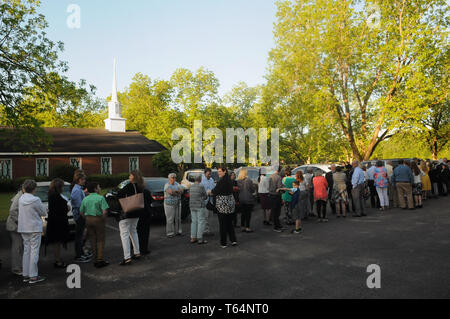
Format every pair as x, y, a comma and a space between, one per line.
225, 204
132, 203
209, 205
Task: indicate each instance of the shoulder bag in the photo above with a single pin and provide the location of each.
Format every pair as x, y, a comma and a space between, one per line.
132, 203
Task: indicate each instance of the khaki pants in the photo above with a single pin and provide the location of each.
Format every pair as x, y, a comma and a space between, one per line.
405, 189
173, 219
393, 196
358, 199
96, 232
16, 252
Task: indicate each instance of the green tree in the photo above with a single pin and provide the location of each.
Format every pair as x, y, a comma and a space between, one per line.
146, 105
164, 164
69, 104
27, 56
429, 118
336, 56
194, 92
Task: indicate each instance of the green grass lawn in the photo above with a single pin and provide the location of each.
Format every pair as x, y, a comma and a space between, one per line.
5, 202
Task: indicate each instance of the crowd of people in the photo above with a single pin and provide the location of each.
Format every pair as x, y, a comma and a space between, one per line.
345, 189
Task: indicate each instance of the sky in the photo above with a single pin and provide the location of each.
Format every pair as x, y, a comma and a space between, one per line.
232, 38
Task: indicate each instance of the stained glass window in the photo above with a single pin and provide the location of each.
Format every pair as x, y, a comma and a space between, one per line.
42, 167
106, 163
134, 163
75, 162
5, 168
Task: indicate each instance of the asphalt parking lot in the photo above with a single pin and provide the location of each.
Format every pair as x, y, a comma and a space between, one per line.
327, 261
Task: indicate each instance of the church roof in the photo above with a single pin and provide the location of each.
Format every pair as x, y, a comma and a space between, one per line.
78, 141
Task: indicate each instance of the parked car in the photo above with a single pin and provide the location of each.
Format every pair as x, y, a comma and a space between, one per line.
269, 170
42, 192
190, 175
156, 187
322, 167
253, 174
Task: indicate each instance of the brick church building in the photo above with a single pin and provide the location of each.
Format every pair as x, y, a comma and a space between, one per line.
108, 151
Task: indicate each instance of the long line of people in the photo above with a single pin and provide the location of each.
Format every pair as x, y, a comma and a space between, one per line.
345, 188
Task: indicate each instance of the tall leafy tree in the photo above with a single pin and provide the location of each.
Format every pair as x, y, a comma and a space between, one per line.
342, 59
194, 92
429, 118
27, 56
147, 107
69, 104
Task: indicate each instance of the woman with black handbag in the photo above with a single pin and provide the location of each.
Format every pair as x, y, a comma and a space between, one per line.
225, 207
129, 220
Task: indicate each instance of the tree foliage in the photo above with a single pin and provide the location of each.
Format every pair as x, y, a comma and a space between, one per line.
27, 56
330, 55
33, 90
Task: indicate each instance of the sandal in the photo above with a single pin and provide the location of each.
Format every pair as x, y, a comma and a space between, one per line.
202, 242
125, 262
136, 257
194, 241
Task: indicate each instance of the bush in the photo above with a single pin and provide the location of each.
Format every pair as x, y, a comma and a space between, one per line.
6, 185
65, 172
164, 164
17, 183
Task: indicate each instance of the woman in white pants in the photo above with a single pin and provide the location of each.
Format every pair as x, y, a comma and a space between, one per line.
381, 180
128, 221
30, 227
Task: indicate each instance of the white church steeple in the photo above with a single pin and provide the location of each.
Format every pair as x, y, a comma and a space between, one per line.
115, 122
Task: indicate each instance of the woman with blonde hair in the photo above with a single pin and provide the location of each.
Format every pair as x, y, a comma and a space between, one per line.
426, 181
246, 199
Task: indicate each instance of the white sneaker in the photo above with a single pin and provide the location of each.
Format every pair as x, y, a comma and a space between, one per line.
37, 279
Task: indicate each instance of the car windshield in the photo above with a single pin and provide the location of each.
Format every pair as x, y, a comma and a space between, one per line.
156, 185
192, 176
42, 192
253, 174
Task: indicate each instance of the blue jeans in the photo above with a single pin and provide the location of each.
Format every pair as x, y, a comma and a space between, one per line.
198, 223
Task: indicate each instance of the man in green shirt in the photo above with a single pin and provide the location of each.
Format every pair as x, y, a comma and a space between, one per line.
287, 198
95, 208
